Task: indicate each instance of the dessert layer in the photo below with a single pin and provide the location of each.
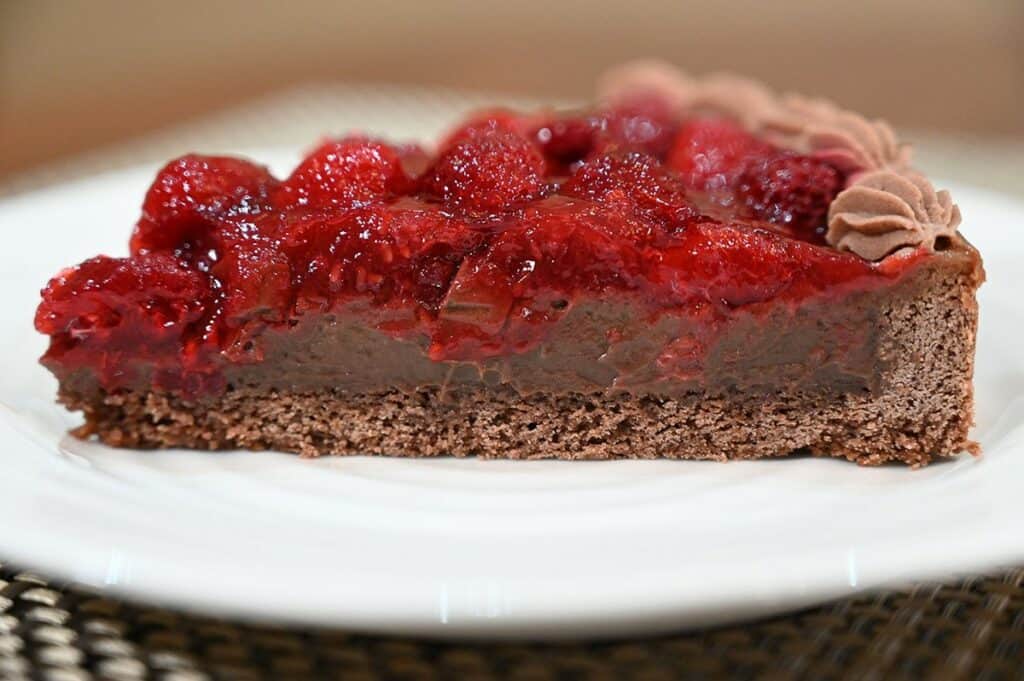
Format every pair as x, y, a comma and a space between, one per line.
825, 344
904, 395
658, 242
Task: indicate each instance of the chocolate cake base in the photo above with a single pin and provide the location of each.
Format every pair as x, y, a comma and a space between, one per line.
491, 424
904, 393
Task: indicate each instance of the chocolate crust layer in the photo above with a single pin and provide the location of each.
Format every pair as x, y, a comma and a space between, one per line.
918, 406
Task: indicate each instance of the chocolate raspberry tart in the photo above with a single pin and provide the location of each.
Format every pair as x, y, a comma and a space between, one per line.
690, 269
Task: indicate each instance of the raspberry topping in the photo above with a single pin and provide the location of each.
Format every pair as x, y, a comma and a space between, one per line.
528, 276
711, 154
476, 251
257, 283
791, 190
483, 122
191, 196
487, 171
392, 255
642, 126
634, 181
736, 265
102, 292
128, 317
345, 173
567, 141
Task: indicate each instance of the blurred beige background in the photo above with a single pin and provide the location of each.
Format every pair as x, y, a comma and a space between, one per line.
78, 75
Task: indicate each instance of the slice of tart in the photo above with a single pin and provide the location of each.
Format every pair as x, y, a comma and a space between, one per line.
688, 268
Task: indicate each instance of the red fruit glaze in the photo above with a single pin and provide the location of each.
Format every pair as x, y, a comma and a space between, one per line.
710, 154
503, 297
127, 318
476, 251
345, 173
98, 293
646, 127
792, 190
256, 283
392, 255
190, 196
487, 172
484, 122
567, 141
633, 181
736, 264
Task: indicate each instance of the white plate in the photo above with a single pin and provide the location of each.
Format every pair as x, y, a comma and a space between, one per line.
484, 548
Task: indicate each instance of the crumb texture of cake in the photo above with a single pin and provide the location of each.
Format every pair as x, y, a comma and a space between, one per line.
693, 268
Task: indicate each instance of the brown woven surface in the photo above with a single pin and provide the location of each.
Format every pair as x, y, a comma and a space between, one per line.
970, 630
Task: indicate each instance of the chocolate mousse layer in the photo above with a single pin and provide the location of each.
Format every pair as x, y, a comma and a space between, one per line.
870, 375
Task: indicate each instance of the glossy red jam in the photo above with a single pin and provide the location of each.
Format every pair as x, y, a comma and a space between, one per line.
478, 248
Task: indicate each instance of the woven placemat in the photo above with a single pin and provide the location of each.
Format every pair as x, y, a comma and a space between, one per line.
973, 629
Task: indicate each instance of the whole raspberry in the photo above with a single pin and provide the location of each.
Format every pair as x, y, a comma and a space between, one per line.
190, 194
711, 154
790, 190
633, 180
483, 122
105, 292
487, 173
345, 173
566, 141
